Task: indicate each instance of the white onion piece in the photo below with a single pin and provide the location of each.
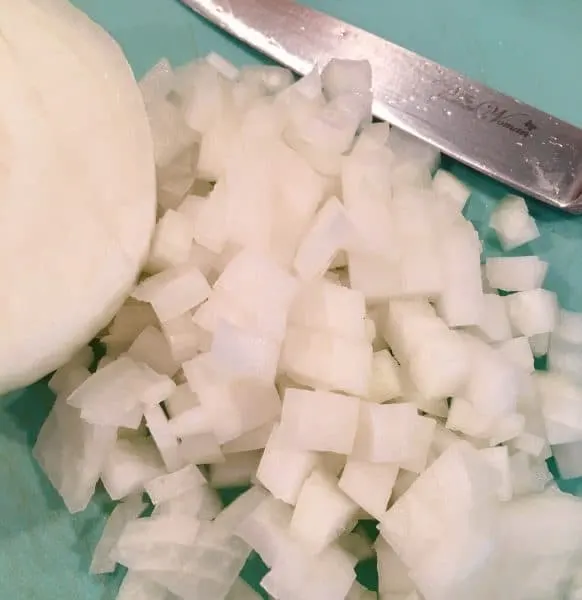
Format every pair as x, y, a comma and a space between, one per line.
152, 348
330, 232
465, 418
201, 449
369, 485
512, 223
164, 438
322, 512
461, 301
305, 422
569, 327
237, 353
409, 149
448, 186
132, 318
130, 465
412, 526
533, 312
230, 551
516, 273
378, 279
322, 360
392, 574
237, 470
167, 487
73, 453
266, 528
67, 379
332, 308
341, 77
136, 585
518, 351
434, 356
499, 459
255, 439
561, 406
568, 459
540, 344
494, 324
180, 400
171, 243
158, 82
330, 575
357, 543
385, 380
386, 433
223, 66
118, 393
127, 511
174, 292
280, 457
494, 383
201, 502
242, 591
139, 543
274, 79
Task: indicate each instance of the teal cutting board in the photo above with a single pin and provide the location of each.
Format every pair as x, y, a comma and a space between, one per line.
527, 48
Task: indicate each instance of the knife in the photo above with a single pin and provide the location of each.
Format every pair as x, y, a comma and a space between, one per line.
525, 148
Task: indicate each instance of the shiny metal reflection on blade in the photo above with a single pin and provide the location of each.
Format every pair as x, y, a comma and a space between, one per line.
504, 138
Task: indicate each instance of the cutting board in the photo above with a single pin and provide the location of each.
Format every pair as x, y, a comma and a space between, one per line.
527, 48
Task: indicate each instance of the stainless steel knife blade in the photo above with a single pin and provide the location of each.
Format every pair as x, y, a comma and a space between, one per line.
500, 136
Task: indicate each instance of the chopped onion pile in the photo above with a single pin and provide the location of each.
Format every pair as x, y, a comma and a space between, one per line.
314, 321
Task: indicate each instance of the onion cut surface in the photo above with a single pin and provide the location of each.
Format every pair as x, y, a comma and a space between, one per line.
78, 191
